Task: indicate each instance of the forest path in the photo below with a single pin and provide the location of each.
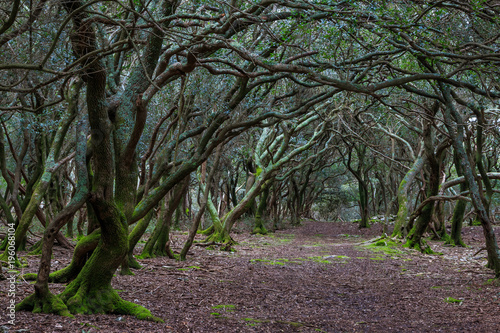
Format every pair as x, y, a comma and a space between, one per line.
314, 278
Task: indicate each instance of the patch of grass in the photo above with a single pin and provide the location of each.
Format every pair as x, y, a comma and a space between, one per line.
268, 262
215, 314
314, 245
320, 260
493, 282
384, 246
252, 320
188, 268
452, 300
349, 236
226, 307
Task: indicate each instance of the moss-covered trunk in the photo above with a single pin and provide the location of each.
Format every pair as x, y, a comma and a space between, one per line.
91, 291
259, 227
42, 299
133, 238
457, 219
162, 246
433, 158
157, 243
404, 186
454, 124
203, 204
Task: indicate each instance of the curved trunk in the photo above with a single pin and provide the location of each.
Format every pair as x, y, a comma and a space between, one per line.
404, 186
414, 239
259, 227
457, 221
454, 123
133, 238
458, 212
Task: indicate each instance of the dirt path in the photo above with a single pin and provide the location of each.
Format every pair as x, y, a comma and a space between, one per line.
316, 278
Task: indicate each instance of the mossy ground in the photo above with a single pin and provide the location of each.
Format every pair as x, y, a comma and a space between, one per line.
384, 247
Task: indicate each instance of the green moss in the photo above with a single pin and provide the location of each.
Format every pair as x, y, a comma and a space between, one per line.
5, 258
320, 260
452, 300
493, 282
253, 320
48, 304
384, 246
189, 268
294, 324
226, 307
215, 314
314, 245
267, 262
260, 231
36, 249
424, 248
349, 236
451, 242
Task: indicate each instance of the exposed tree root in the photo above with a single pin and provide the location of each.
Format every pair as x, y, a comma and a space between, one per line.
208, 231
85, 299
50, 303
221, 238
82, 250
260, 230
419, 246
37, 248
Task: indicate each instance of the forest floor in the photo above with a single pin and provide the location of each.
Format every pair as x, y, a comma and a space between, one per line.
315, 278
